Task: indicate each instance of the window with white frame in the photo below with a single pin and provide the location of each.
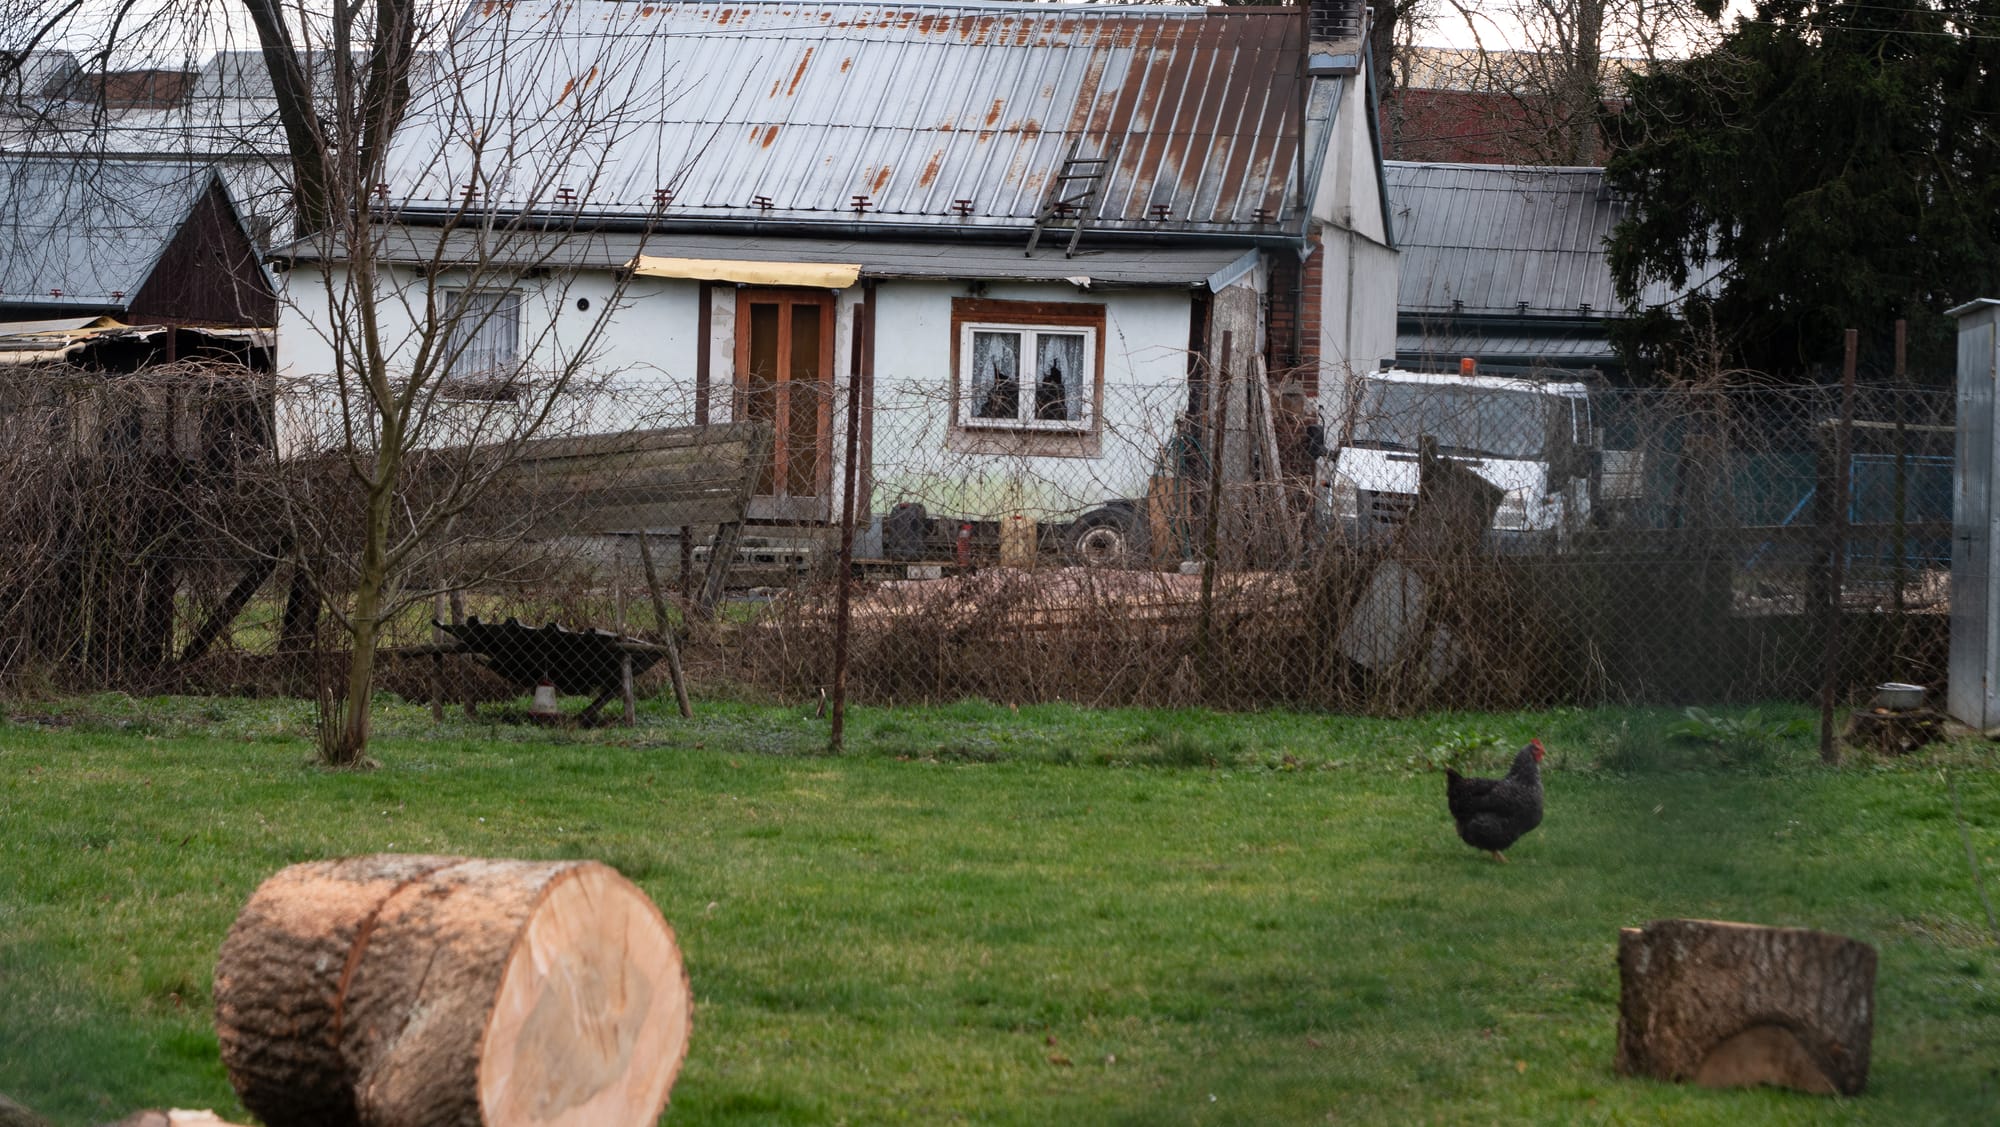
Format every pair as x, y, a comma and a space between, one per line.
482, 345
1025, 376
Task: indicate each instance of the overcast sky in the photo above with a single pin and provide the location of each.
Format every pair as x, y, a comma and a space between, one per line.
175, 30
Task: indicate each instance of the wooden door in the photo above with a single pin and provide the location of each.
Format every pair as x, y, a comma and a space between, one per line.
784, 376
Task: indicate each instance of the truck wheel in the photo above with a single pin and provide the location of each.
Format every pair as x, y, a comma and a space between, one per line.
1107, 538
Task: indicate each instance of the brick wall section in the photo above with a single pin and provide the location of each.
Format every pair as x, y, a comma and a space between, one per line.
1309, 315
1281, 314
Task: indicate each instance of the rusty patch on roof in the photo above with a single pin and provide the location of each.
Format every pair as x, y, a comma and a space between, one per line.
799, 73
1202, 105
573, 84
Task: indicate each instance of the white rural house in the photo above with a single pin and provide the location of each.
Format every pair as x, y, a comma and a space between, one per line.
1026, 230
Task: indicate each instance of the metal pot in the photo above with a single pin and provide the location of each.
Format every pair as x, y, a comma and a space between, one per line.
1898, 697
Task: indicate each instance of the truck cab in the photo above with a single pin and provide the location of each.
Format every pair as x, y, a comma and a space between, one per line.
1532, 438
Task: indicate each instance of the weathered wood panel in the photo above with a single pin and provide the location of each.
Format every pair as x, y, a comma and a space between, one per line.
648, 479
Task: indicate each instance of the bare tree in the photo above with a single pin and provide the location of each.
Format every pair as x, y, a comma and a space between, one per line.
1557, 62
429, 340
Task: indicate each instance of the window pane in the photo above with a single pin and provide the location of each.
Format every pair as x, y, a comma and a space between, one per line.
996, 375
802, 435
1059, 387
760, 399
483, 332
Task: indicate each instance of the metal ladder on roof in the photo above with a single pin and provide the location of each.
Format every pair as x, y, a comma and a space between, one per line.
1073, 194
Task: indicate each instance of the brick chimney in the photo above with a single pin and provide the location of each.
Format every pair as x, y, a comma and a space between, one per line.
1335, 22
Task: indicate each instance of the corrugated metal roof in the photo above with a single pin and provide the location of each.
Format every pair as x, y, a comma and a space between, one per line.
879, 258
1578, 345
92, 229
1506, 239
807, 106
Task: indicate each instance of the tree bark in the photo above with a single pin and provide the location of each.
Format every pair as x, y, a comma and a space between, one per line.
390, 990
312, 194
1730, 1005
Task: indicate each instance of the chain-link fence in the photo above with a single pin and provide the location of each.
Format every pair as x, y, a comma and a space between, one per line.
1435, 541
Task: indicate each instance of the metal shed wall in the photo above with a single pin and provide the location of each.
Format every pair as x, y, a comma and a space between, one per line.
1506, 239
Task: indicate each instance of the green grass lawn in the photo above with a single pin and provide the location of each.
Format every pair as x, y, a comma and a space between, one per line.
1053, 916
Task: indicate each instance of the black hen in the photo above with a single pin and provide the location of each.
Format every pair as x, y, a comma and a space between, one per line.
1492, 814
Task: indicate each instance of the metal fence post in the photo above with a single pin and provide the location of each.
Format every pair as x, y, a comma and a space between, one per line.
864, 318
1204, 641
1836, 564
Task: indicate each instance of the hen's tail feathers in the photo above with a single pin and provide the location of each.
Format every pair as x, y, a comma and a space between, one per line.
1452, 776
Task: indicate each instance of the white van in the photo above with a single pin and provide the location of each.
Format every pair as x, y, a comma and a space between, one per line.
1532, 438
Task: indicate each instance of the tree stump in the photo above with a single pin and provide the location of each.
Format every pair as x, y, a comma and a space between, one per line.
389, 990
1730, 1005
1893, 733
14, 1115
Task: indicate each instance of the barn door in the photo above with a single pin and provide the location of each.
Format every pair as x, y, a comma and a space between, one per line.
784, 376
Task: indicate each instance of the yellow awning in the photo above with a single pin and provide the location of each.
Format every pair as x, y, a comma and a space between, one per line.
820, 275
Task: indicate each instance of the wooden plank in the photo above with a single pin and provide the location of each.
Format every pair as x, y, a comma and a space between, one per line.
720, 557
660, 438
658, 478
664, 628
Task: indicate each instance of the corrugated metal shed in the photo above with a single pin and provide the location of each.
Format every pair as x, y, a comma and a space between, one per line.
938, 115
878, 258
92, 230
1506, 239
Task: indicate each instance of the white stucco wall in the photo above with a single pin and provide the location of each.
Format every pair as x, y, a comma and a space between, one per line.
1145, 388
1349, 191
644, 345
634, 356
1357, 327
1359, 275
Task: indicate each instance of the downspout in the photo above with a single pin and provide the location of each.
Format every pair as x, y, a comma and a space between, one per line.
1375, 135
1302, 93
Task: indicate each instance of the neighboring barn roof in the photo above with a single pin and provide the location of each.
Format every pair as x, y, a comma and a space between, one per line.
1578, 344
1506, 240
41, 74
914, 107
94, 230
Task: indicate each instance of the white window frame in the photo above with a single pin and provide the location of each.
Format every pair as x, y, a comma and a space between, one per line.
1028, 331
497, 382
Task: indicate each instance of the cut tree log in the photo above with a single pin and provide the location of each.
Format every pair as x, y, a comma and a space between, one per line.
387, 990
14, 1115
173, 1117
1728, 1005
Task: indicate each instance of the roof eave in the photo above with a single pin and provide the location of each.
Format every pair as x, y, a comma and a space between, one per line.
310, 248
